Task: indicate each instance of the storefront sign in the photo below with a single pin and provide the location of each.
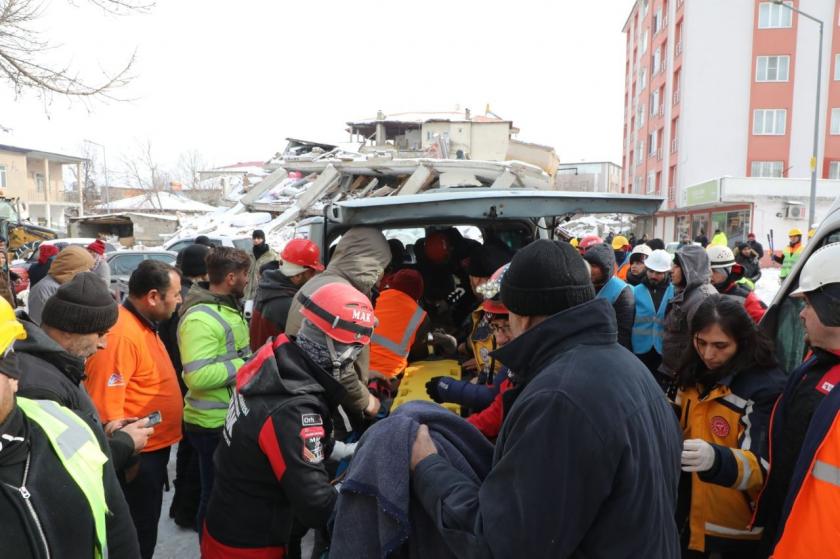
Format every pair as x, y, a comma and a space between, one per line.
703, 193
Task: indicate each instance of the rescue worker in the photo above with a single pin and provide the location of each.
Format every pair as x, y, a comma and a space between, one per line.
636, 272
726, 274
621, 247
608, 286
728, 383
359, 260
213, 341
702, 239
261, 255
184, 507
401, 321
798, 506
59, 495
278, 433
652, 296
74, 327
612, 453
719, 239
65, 266
790, 254
134, 377
755, 245
690, 276
299, 263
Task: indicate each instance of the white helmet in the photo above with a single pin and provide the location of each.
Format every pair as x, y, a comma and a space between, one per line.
720, 256
821, 269
642, 248
659, 261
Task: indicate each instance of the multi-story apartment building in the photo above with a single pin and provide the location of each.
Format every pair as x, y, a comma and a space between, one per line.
717, 88
600, 176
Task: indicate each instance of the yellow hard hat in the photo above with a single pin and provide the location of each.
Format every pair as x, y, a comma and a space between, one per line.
619, 242
794, 232
811, 233
10, 327
574, 242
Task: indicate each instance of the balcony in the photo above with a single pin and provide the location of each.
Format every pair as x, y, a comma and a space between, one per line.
674, 145
659, 154
678, 48
676, 97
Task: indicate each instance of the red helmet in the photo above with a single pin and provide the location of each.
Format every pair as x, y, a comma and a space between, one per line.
303, 253
589, 240
340, 311
437, 247
491, 290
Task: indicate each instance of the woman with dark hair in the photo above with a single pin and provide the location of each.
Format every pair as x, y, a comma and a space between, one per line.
728, 383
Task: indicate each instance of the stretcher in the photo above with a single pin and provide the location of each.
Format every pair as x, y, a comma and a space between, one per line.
417, 374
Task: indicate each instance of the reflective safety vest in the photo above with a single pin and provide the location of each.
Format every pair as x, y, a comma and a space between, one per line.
791, 257
612, 289
78, 449
648, 328
399, 318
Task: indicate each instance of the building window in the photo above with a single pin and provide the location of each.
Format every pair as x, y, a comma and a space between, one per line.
769, 122
40, 183
640, 152
654, 102
656, 63
651, 183
767, 168
637, 184
642, 78
835, 122
657, 20
2, 176
640, 114
651, 144
644, 41
772, 68
837, 67
834, 170
774, 16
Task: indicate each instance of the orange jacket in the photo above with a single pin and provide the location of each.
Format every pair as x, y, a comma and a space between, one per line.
399, 318
133, 377
622, 271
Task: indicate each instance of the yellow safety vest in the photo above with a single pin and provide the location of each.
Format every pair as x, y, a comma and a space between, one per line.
78, 449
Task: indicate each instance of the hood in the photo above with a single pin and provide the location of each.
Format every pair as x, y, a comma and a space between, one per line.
282, 368
361, 257
274, 285
200, 293
69, 262
38, 344
603, 256
695, 266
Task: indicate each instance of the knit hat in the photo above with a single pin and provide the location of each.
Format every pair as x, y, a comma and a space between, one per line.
45, 252
84, 305
97, 246
545, 278
409, 282
487, 258
193, 260
69, 262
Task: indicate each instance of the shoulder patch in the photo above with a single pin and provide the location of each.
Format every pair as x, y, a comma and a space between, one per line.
116, 379
311, 420
313, 444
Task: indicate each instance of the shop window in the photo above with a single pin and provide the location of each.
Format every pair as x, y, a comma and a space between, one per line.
772, 68
767, 169
774, 16
769, 122
700, 225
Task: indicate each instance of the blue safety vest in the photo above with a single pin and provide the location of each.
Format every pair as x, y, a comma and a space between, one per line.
650, 323
612, 289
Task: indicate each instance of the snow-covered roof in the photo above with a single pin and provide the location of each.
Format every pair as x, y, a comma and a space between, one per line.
157, 201
421, 117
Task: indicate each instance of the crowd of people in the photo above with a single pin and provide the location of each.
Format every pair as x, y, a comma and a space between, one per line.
616, 400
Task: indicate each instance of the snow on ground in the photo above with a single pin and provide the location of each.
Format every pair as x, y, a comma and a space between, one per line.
768, 285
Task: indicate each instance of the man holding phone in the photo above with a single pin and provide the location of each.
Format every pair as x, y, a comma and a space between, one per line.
133, 377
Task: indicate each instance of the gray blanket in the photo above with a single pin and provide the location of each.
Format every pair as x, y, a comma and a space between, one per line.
375, 514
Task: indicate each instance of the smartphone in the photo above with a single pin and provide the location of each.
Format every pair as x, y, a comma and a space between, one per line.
154, 418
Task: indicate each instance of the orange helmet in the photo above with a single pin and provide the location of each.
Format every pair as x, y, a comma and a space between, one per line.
437, 247
341, 311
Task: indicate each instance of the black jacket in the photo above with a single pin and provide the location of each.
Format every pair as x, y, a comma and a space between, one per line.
756, 246
588, 459
37, 271
61, 508
602, 255
271, 307
751, 266
50, 373
270, 462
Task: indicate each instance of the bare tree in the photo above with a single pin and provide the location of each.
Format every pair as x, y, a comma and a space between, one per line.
143, 170
87, 176
189, 164
23, 53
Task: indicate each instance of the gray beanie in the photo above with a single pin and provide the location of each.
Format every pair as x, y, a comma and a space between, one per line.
84, 305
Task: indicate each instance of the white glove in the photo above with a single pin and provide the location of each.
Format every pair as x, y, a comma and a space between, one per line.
697, 456
342, 450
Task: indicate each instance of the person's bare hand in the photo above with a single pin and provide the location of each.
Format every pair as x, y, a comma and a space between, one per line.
470, 365
117, 424
139, 433
423, 446
373, 406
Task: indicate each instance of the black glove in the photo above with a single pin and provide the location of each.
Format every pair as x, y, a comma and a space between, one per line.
433, 388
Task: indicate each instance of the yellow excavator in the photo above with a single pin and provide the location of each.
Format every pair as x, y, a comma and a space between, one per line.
15, 237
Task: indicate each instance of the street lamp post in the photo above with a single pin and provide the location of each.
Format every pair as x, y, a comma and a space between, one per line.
812, 209
105, 167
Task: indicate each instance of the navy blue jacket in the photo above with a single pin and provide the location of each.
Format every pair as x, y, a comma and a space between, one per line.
587, 462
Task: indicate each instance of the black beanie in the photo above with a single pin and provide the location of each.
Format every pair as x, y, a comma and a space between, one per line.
486, 259
258, 234
545, 278
192, 260
83, 305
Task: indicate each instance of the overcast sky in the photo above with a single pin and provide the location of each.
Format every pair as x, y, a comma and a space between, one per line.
233, 79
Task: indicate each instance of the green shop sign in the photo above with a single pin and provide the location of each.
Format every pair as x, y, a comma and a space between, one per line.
703, 193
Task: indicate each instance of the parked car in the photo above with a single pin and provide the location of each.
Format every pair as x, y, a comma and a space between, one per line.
782, 318
176, 245
124, 262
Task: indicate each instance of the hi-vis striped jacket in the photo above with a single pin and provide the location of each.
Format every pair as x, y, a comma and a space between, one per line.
733, 416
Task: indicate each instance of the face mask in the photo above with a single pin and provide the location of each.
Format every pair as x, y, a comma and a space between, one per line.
342, 355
